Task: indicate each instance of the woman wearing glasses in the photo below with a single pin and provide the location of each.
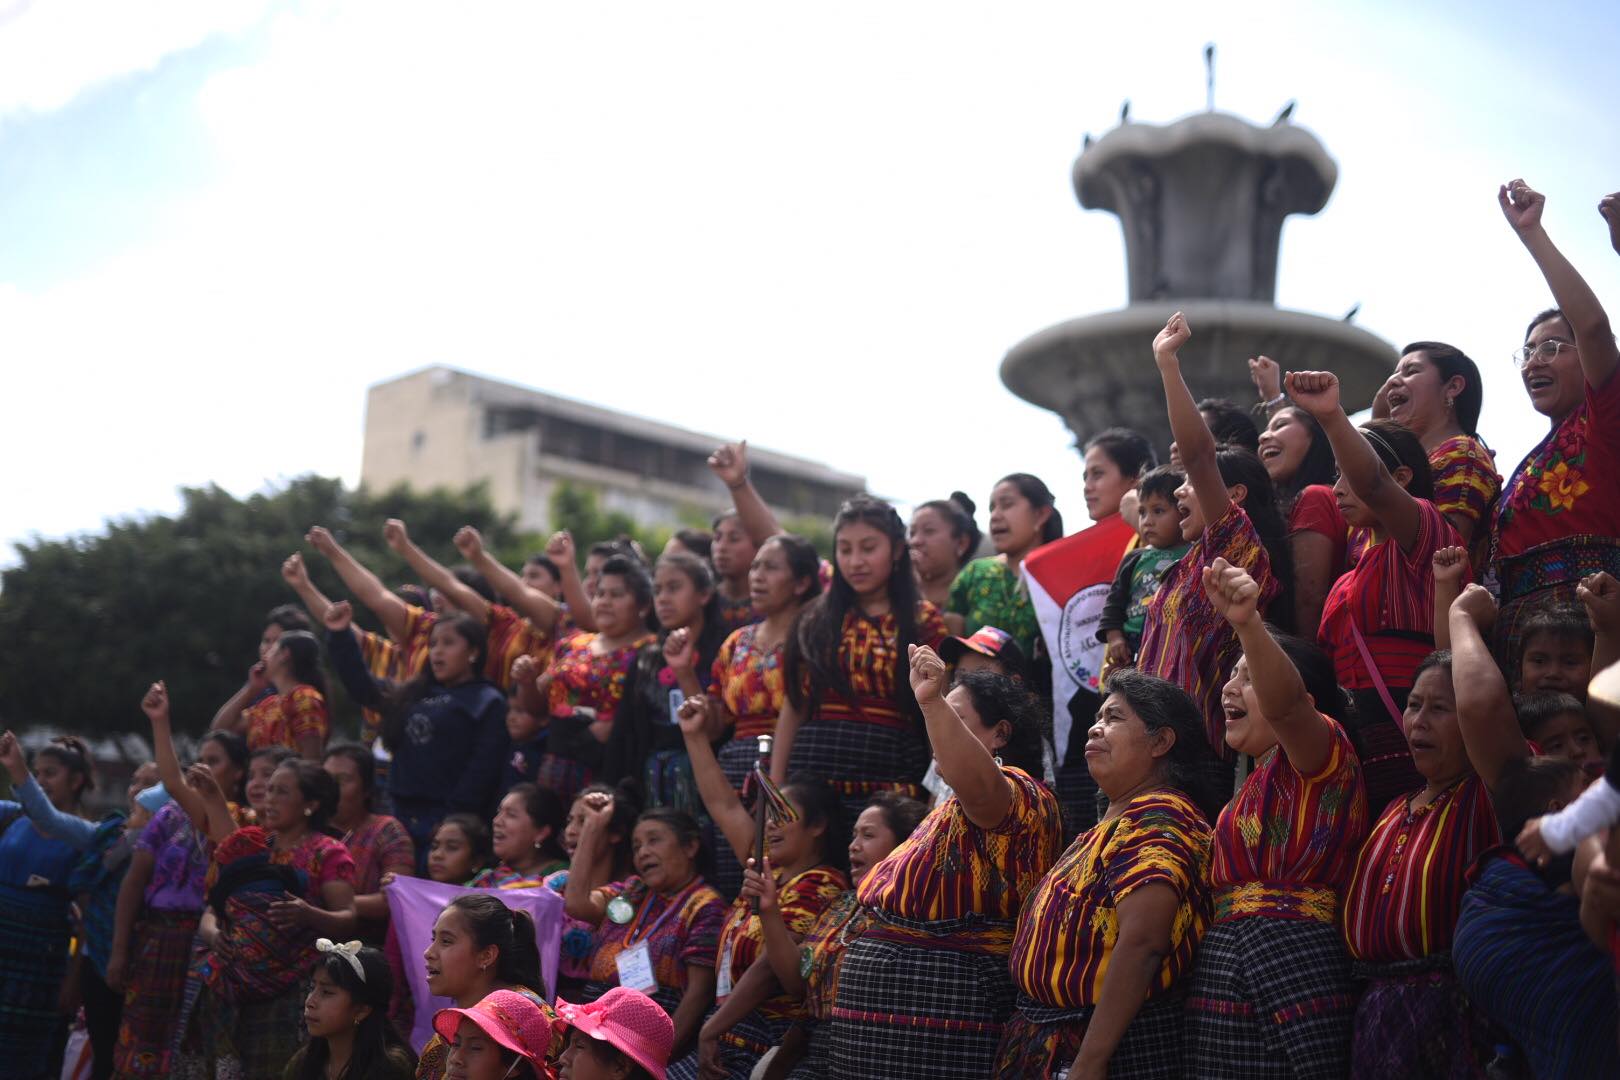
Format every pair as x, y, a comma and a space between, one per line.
1559, 516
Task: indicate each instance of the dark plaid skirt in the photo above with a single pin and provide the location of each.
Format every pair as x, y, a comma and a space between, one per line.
1270, 998
156, 984
740, 1048
858, 758
33, 960
1413, 1021
737, 759
248, 1041
1039, 1041
906, 1011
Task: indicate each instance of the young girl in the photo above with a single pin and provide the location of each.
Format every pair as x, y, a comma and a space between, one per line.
294, 714
1436, 394
584, 687
645, 744
1378, 621
527, 839
34, 898
379, 844
803, 858
943, 539
1228, 512
991, 592
480, 946
657, 930
350, 1036
445, 729
1299, 459
746, 686
806, 965
850, 717
1555, 649
257, 689
925, 990
506, 1036
623, 1035
1271, 994
461, 850
612, 863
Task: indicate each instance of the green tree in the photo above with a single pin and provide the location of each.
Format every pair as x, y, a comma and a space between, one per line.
89, 622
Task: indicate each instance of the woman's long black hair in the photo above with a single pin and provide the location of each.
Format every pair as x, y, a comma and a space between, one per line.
305, 650
1162, 704
813, 646
1316, 467
1239, 466
399, 700
491, 922
374, 1036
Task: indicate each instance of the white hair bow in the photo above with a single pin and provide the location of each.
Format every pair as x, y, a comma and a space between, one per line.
349, 950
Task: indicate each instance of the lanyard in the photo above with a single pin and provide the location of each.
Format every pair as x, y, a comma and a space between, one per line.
677, 902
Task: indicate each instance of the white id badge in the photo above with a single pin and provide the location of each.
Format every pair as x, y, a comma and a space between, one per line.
722, 976
635, 969
676, 700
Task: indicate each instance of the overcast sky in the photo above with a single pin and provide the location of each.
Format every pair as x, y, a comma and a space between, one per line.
819, 227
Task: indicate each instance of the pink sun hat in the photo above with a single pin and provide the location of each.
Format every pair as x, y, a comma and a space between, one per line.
512, 1020
629, 1020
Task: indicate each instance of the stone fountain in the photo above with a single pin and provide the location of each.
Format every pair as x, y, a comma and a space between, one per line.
1201, 202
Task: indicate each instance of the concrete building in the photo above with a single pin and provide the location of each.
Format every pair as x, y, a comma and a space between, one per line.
441, 427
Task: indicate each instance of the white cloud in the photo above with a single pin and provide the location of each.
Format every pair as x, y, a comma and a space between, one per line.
822, 233
53, 50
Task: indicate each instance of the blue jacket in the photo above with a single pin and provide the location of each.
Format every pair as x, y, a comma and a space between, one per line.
453, 744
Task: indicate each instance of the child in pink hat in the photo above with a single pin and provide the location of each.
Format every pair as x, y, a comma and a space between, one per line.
503, 1037
623, 1035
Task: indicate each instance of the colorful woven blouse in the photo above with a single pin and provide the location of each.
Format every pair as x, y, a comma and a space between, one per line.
1465, 480
283, 719
379, 846
1389, 595
1286, 845
821, 952
950, 868
1185, 640
736, 614
583, 679
512, 636
801, 901
179, 861
1409, 879
1565, 487
869, 652
502, 876
1069, 925
750, 682
578, 936
989, 593
689, 937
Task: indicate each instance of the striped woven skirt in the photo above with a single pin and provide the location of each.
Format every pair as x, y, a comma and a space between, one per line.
33, 960
157, 981
861, 753
1039, 1040
248, 1041
740, 1048
906, 1010
1413, 1021
1270, 997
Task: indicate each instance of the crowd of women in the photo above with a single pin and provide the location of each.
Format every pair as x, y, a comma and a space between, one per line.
1305, 834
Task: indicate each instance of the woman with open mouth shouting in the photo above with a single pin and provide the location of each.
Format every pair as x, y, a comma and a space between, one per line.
1271, 994
1559, 516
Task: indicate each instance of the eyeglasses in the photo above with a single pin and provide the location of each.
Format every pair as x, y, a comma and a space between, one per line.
1547, 351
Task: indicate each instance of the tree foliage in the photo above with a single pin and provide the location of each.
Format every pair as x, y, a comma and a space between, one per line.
89, 622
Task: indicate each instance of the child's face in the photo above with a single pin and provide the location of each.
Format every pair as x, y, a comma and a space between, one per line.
521, 725
329, 1008
1160, 522
1569, 736
1555, 662
451, 855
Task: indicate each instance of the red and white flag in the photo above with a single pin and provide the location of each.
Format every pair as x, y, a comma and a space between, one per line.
1068, 583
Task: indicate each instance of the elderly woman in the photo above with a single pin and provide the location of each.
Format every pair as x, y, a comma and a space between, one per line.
1104, 940
924, 992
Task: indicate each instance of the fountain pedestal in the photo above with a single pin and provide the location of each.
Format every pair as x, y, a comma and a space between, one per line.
1201, 202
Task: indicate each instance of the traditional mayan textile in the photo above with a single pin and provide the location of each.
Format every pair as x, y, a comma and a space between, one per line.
1523, 960
931, 1012
157, 979
1546, 575
1185, 640
1413, 1021
1039, 1040
988, 593
34, 944
1270, 998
